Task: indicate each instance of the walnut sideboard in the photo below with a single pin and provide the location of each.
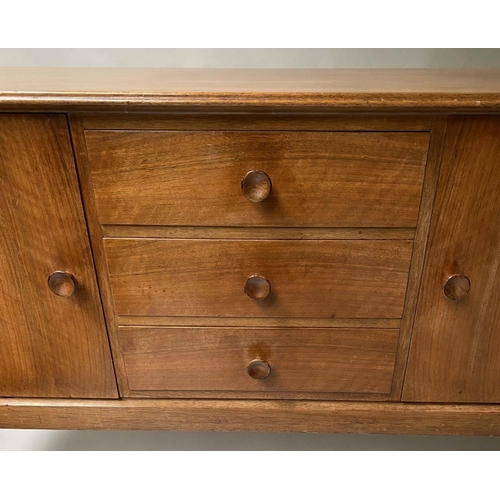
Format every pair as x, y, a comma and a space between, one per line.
260, 250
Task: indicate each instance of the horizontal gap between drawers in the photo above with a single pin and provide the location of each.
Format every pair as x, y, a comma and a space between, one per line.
259, 395
264, 233
264, 130
179, 321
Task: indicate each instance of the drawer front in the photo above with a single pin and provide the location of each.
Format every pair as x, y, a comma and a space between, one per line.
317, 179
348, 279
218, 359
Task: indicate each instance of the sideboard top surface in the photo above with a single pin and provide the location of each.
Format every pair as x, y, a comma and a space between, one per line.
346, 89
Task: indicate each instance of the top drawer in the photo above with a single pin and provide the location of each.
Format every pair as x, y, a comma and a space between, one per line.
318, 179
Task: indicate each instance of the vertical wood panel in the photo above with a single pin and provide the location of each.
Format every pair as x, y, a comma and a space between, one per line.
455, 351
418, 254
51, 346
96, 240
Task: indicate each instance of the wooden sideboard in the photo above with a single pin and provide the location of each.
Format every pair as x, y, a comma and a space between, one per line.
262, 250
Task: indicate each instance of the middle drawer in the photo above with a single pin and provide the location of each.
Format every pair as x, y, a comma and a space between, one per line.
258, 278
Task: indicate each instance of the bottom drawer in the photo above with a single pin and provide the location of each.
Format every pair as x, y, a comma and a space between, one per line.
337, 360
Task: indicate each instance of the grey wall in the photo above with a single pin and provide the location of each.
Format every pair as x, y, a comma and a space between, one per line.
242, 58
255, 58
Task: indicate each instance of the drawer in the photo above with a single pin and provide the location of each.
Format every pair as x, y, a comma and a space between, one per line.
312, 179
220, 359
313, 278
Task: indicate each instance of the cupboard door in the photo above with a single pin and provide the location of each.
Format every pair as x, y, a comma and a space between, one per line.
53, 341
455, 350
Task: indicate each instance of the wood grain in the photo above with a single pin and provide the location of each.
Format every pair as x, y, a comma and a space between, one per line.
95, 233
216, 359
262, 394
455, 350
418, 255
326, 121
256, 186
456, 287
51, 346
158, 88
318, 179
382, 323
257, 233
263, 416
342, 279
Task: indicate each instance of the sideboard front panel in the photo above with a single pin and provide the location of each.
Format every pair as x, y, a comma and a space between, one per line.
53, 340
455, 352
304, 268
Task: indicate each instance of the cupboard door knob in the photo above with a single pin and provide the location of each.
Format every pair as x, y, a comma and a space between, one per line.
62, 283
256, 186
259, 369
456, 287
257, 287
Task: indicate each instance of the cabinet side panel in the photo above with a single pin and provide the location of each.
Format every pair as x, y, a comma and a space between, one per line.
455, 351
51, 346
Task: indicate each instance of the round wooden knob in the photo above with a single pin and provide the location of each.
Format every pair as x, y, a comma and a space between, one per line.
456, 287
257, 287
259, 369
256, 186
62, 283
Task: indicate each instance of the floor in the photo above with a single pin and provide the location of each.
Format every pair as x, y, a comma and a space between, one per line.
154, 440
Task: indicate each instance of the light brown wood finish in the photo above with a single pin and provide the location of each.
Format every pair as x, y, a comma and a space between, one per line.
346, 244
417, 260
158, 88
51, 346
455, 351
216, 359
343, 279
264, 416
318, 178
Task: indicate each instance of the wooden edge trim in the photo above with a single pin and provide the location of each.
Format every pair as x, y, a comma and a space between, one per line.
348, 101
206, 121
252, 415
260, 395
253, 322
257, 233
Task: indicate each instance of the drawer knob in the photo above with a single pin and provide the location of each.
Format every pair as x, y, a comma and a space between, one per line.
62, 283
259, 369
256, 186
456, 287
257, 287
